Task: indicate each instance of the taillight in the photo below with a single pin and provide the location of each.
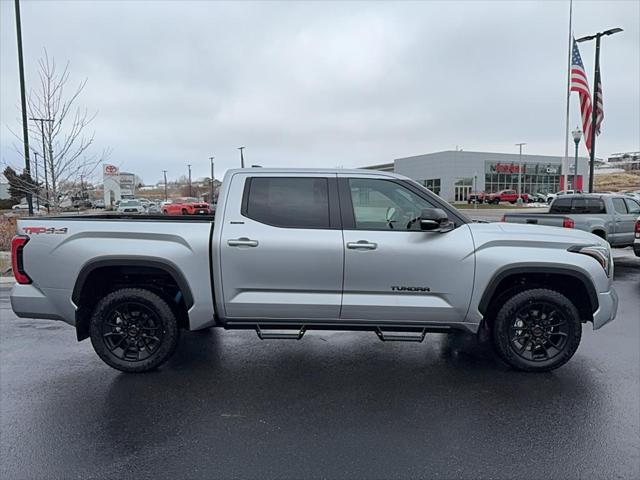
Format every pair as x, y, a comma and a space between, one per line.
17, 259
638, 228
568, 223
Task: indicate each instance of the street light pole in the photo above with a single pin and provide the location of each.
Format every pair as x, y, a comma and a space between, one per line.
44, 157
190, 192
35, 167
577, 135
212, 179
596, 82
519, 200
241, 157
166, 198
23, 101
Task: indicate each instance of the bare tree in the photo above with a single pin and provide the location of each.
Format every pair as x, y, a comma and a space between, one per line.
62, 142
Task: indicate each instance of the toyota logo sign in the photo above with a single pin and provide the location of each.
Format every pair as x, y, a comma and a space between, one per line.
110, 170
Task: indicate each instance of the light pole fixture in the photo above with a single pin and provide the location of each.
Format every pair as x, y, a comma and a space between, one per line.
212, 179
241, 157
519, 200
595, 109
166, 198
23, 103
577, 136
190, 191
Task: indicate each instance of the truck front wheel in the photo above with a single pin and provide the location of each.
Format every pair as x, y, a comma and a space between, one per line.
134, 330
537, 330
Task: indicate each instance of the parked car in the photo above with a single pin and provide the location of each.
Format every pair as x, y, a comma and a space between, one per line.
476, 197
510, 196
552, 196
130, 206
186, 206
25, 206
609, 216
636, 242
537, 197
298, 249
98, 204
153, 208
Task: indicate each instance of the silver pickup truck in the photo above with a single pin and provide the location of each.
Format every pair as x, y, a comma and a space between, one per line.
609, 216
295, 250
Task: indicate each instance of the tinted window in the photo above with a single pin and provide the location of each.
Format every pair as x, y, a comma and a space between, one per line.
289, 202
588, 205
385, 205
619, 206
561, 205
632, 206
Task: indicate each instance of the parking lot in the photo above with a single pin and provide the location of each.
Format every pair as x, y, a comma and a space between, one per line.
334, 405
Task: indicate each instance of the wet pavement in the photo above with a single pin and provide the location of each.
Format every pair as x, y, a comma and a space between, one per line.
333, 405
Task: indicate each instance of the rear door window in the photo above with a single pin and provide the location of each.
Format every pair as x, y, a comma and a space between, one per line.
290, 202
588, 205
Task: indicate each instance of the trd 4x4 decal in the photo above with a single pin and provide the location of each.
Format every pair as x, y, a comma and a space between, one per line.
39, 230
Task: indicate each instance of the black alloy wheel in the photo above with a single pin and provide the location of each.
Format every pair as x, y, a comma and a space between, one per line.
537, 330
133, 330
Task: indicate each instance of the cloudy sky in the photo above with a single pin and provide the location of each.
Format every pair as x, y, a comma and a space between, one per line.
322, 84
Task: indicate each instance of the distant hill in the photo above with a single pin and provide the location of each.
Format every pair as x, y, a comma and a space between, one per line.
615, 182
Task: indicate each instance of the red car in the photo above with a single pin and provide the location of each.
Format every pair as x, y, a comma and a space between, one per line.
186, 206
510, 196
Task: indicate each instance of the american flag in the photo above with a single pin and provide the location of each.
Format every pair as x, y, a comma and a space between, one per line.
580, 84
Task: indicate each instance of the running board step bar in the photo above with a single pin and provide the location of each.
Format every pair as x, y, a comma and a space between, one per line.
417, 337
280, 334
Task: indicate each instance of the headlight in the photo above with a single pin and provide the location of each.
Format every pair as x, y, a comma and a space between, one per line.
601, 253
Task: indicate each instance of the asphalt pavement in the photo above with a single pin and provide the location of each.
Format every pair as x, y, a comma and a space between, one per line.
333, 405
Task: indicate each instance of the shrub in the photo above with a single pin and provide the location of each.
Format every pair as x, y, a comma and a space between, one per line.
7, 231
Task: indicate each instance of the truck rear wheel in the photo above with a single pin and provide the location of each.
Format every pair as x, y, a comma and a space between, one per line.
134, 330
537, 330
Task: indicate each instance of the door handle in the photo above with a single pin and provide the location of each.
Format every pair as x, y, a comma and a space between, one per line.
242, 242
362, 245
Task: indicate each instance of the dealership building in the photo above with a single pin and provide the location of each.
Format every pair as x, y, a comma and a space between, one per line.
455, 174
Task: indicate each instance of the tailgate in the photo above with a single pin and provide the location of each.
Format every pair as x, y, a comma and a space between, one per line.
535, 219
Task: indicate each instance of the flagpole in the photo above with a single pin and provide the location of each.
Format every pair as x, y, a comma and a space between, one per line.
565, 163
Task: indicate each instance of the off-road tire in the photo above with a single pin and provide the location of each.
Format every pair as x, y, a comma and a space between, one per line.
167, 328
504, 321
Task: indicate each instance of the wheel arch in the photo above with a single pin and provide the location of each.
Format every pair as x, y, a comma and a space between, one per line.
571, 282
89, 272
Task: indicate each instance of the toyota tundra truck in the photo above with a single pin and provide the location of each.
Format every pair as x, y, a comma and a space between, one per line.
293, 250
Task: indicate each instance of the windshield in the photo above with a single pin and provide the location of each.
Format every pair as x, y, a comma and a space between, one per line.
130, 203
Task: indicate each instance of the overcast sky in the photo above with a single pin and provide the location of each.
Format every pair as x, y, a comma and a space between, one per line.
322, 84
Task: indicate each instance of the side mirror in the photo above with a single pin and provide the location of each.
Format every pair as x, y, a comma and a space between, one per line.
432, 219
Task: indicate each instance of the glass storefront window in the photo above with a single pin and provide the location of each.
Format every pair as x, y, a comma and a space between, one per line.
536, 177
432, 184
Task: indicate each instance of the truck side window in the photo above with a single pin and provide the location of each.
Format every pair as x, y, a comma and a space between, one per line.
385, 205
290, 202
588, 205
561, 205
632, 206
619, 206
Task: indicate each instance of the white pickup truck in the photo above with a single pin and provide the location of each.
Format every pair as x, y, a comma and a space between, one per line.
295, 250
